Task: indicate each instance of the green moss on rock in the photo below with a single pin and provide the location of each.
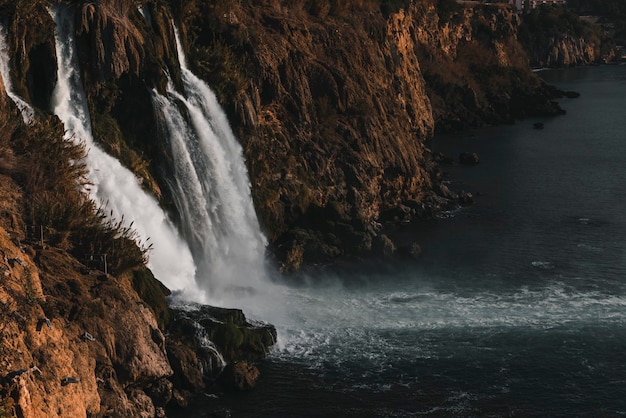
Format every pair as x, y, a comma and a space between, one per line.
153, 293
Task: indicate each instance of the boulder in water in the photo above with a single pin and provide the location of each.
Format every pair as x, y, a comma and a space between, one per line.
239, 376
186, 366
469, 158
234, 337
411, 251
466, 198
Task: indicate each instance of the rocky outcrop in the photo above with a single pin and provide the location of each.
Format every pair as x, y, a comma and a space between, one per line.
239, 376
213, 348
557, 37
567, 52
476, 71
73, 344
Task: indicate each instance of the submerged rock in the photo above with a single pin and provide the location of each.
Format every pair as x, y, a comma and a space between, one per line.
239, 376
469, 158
411, 251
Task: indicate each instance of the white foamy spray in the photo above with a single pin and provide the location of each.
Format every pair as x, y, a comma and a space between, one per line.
170, 259
211, 189
28, 113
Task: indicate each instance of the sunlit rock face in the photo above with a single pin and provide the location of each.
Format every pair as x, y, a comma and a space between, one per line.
332, 105
73, 344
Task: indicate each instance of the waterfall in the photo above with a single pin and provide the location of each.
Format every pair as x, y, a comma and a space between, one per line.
170, 259
211, 188
28, 113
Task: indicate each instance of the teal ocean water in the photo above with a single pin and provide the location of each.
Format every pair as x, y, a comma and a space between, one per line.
517, 306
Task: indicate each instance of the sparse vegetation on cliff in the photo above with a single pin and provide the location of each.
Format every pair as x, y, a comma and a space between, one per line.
611, 12
48, 170
556, 36
333, 103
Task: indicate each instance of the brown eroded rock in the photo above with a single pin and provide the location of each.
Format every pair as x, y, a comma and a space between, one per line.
334, 112
47, 306
48, 355
334, 105
116, 45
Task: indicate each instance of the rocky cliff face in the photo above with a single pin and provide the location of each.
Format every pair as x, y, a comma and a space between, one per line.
73, 344
565, 51
332, 117
557, 37
334, 105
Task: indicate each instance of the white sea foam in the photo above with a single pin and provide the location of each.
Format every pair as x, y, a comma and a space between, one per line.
589, 248
545, 265
337, 325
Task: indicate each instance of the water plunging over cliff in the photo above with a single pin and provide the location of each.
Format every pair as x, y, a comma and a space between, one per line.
28, 113
170, 259
210, 187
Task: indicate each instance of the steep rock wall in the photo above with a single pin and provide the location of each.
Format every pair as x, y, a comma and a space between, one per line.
558, 37
334, 107
332, 118
476, 71
565, 51
49, 367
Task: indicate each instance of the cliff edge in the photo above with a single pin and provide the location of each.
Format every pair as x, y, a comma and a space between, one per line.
334, 105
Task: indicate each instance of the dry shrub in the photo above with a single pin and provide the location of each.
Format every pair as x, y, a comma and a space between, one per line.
7, 160
51, 175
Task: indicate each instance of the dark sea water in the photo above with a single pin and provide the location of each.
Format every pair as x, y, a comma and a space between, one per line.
517, 306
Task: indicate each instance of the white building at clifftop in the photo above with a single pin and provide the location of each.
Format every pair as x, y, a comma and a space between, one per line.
532, 4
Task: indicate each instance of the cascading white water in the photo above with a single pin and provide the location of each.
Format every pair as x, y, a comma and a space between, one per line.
28, 113
170, 259
211, 188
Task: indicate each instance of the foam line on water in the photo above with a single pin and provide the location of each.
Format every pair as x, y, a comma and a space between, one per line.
337, 324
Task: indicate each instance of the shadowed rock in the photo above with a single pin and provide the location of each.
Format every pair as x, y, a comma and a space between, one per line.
469, 158
239, 376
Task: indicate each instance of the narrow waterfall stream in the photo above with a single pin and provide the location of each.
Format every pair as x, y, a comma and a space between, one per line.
28, 113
